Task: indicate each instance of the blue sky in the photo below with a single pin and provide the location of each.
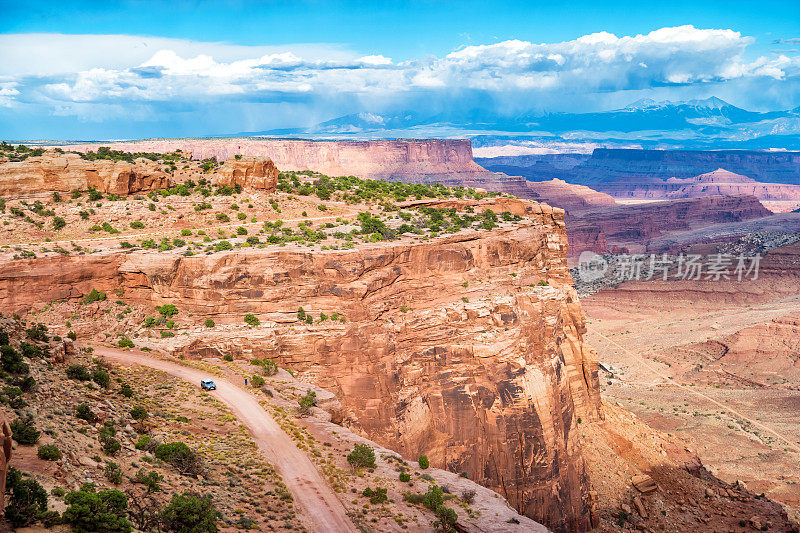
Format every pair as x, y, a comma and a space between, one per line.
136, 68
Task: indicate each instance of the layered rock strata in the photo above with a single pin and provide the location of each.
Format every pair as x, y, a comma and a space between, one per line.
64, 172
468, 348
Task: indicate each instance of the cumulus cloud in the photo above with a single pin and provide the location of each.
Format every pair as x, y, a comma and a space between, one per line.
64, 72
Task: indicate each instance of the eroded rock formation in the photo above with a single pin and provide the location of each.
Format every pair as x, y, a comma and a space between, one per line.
67, 172
468, 348
64, 172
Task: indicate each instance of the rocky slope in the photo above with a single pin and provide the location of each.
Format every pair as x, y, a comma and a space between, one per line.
64, 172
467, 348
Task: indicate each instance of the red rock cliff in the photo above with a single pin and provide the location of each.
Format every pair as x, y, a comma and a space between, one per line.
488, 378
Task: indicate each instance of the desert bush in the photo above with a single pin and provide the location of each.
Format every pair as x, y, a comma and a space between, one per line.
84, 412
89, 510
101, 377
376, 496
190, 512
186, 232
11, 361
221, 246
150, 479
139, 413
71, 335
209, 323
468, 496
257, 381
405, 477
179, 455
423, 462
48, 452
270, 367
143, 443
362, 456
94, 296
251, 319
58, 223
307, 402
126, 390
78, 372
227, 357
37, 332
24, 431
113, 473
136, 224
111, 446
28, 501
167, 310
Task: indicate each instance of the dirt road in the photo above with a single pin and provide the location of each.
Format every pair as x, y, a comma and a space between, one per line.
315, 502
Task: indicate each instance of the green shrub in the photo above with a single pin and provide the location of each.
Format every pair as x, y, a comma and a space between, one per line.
376, 496
165, 334
190, 512
71, 335
58, 492
78, 372
111, 446
150, 479
257, 381
221, 246
113, 473
179, 455
137, 225
11, 361
227, 357
101, 377
167, 310
84, 412
139, 413
405, 477
58, 223
186, 232
94, 296
251, 319
270, 367
362, 456
28, 501
126, 390
209, 323
24, 431
143, 442
149, 322
48, 452
423, 462
89, 510
307, 402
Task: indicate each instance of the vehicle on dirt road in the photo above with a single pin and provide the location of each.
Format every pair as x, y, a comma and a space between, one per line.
207, 384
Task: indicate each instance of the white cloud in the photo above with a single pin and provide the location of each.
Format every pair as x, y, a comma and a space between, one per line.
57, 72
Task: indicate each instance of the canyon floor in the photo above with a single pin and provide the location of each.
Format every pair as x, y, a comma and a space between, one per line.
718, 372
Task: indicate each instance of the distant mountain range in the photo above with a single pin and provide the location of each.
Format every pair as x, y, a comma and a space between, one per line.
704, 124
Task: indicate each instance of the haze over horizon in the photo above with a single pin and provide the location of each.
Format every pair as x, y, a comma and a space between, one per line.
143, 69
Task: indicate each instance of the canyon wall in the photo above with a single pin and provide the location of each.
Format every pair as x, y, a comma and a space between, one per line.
64, 172
606, 164
412, 160
468, 348
446, 161
631, 228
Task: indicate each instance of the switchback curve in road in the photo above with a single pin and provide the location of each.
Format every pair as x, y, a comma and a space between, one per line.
318, 506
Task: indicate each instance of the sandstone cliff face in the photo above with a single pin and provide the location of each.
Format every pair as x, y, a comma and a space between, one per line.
248, 172
67, 172
410, 159
492, 386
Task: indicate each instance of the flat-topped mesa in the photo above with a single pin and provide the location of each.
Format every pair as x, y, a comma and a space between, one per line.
64, 172
467, 348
